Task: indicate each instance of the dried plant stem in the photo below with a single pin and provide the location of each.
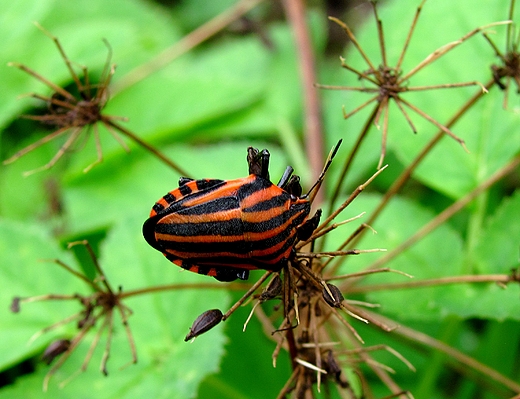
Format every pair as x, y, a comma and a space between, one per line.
356, 44
484, 278
313, 129
350, 159
409, 36
184, 45
447, 213
250, 292
447, 47
407, 173
379, 372
349, 200
185, 286
145, 145
465, 360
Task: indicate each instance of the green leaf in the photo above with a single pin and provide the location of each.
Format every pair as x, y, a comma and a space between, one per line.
135, 30
448, 168
27, 270
498, 249
115, 193
440, 254
158, 323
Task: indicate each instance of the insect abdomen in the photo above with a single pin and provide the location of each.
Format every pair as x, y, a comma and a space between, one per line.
246, 223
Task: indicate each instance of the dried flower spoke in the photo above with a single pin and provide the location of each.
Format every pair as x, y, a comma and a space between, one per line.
391, 83
79, 113
509, 67
98, 305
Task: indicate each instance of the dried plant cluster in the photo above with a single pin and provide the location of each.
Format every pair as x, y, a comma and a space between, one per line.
302, 308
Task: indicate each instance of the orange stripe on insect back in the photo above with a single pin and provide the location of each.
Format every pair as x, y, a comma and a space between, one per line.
208, 255
264, 216
203, 239
164, 203
176, 218
271, 250
229, 189
261, 196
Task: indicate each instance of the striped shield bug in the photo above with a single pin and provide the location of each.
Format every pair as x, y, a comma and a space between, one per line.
224, 228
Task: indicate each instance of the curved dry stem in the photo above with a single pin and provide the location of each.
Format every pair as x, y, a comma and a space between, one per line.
333, 254
501, 279
351, 198
36, 144
188, 42
453, 354
409, 36
434, 122
351, 157
250, 292
361, 75
355, 43
145, 145
447, 213
407, 173
185, 286
365, 273
447, 47
313, 129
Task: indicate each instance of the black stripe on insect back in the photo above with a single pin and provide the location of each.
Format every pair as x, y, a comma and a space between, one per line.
157, 208
208, 183
169, 198
229, 227
259, 183
271, 203
185, 189
214, 206
234, 229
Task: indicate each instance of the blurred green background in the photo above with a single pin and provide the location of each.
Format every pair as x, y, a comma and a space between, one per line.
242, 87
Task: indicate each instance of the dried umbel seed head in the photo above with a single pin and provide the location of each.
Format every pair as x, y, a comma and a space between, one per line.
333, 296
55, 349
205, 322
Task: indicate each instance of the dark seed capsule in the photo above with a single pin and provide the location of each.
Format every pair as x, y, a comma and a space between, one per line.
205, 322
272, 290
332, 367
55, 349
336, 298
15, 304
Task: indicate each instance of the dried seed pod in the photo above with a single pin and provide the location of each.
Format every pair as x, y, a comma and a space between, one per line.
15, 304
333, 368
55, 349
205, 322
272, 290
336, 298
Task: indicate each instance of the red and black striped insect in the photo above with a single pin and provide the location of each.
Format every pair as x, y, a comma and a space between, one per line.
224, 228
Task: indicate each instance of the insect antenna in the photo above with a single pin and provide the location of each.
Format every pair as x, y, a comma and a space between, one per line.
285, 177
315, 188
